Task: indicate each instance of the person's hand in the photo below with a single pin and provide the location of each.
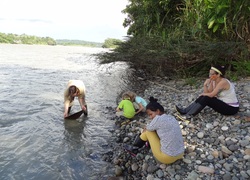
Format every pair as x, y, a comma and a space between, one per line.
207, 82
84, 108
66, 115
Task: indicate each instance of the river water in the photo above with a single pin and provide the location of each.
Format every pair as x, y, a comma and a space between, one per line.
35, 140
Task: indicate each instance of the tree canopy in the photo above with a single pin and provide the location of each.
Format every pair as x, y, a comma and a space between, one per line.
185, 37
25, 39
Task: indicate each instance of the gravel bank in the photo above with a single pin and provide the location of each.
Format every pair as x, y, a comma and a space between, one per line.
216, 146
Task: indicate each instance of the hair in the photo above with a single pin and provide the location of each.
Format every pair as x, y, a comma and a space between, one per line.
72, 90
125, 96
222, 69
131, 94
153, 105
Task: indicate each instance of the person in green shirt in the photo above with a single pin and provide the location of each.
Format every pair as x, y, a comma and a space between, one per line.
125, 107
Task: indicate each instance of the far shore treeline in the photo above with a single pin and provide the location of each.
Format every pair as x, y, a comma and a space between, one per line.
27, 39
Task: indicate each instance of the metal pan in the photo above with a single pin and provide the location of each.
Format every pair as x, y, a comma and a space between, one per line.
75, 115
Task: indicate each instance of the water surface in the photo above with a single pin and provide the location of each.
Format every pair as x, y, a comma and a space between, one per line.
35, 141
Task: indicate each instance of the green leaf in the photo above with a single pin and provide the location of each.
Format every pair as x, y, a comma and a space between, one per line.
210, 23
215, 28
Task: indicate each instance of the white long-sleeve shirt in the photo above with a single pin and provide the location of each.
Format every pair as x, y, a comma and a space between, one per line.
169, 132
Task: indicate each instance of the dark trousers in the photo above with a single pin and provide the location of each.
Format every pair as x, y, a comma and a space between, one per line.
217, 105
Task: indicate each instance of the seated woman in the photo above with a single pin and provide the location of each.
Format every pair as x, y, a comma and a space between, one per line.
218, 93
163, 134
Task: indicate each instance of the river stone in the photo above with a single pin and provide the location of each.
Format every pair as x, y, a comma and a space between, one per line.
237, 122
226, 150
126, 139
244, 143
227, 176
216, 123
188, 161
247, 152
163, 166
246, 157
215, 153
210, 157
233, 147
209, 126
228, 166
184, 133
224, 128
190, 149
134, 167
177, 177
198, 162
150, 177
206, 170
151, 168
160, 173
144, 167
200, 135
170, 171
244, 175
192, 175
118, 170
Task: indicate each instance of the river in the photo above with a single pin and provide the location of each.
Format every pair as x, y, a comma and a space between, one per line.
35, 140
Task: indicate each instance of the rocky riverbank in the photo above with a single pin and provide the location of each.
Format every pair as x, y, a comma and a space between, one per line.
216, 146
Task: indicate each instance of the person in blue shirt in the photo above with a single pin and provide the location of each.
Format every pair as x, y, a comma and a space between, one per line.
138, 102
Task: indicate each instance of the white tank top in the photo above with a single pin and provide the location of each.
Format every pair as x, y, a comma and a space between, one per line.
229, 96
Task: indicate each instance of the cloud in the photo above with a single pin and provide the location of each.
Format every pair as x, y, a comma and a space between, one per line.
35, 21
94, 20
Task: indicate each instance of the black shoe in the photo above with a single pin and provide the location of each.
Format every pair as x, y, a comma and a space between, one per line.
179, 110
130, 148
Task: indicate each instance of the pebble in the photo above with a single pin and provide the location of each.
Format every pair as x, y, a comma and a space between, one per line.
200, 135
216, 146
206, 170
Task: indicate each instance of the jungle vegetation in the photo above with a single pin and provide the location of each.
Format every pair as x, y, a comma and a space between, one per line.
25, 39
183, 38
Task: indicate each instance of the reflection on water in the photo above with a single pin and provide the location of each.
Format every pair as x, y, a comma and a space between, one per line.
35, 141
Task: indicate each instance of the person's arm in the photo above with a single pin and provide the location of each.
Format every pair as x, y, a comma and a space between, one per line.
140, 108
66, 108
82, 103
219, 87
66, 103
208, 86
119, 107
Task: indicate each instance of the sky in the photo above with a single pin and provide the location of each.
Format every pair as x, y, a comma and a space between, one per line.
88, 20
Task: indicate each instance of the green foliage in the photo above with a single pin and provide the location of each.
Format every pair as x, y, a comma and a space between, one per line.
111, 43
25, 39
192, 81
183, 38
175, 59
240, 69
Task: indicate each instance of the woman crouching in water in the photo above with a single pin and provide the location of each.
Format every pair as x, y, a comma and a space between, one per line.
163, 134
